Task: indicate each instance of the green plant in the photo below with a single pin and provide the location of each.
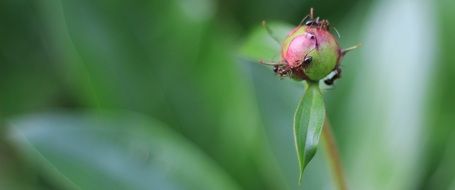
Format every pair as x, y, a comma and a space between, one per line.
310, 53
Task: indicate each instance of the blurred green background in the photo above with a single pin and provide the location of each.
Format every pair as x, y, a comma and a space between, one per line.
167, 94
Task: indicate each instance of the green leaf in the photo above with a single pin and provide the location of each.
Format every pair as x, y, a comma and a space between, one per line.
308, 121
261, 46
114, 151
122, 57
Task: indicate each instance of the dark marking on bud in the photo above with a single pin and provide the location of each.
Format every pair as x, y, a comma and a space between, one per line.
275, 68
332, 79
307, 60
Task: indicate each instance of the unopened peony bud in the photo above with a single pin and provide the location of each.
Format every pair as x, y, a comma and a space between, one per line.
310, 52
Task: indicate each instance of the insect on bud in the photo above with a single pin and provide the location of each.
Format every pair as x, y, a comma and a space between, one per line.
310, 52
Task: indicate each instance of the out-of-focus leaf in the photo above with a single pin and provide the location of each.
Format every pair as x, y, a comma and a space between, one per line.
173, 56
105, 51
13, 173
23, 61
308, 121
439, 156
381, 121
233, 132
114, 151
259, 45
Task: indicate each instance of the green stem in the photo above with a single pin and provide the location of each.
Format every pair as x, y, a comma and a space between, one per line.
334, 157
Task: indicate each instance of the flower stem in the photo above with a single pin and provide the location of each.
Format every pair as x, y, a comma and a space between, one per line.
334, 157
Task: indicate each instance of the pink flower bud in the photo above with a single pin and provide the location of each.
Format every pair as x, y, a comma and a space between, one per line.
310, 52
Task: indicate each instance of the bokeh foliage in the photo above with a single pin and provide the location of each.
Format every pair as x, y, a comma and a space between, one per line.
162, 95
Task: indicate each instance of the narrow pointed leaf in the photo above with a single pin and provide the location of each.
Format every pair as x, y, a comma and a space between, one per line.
308, 121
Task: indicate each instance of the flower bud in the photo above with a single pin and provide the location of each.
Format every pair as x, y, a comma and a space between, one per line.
310, 51
314, 44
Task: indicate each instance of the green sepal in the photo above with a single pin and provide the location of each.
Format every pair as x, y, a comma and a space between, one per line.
309, 119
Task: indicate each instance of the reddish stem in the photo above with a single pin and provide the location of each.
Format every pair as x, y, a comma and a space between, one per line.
334, 157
